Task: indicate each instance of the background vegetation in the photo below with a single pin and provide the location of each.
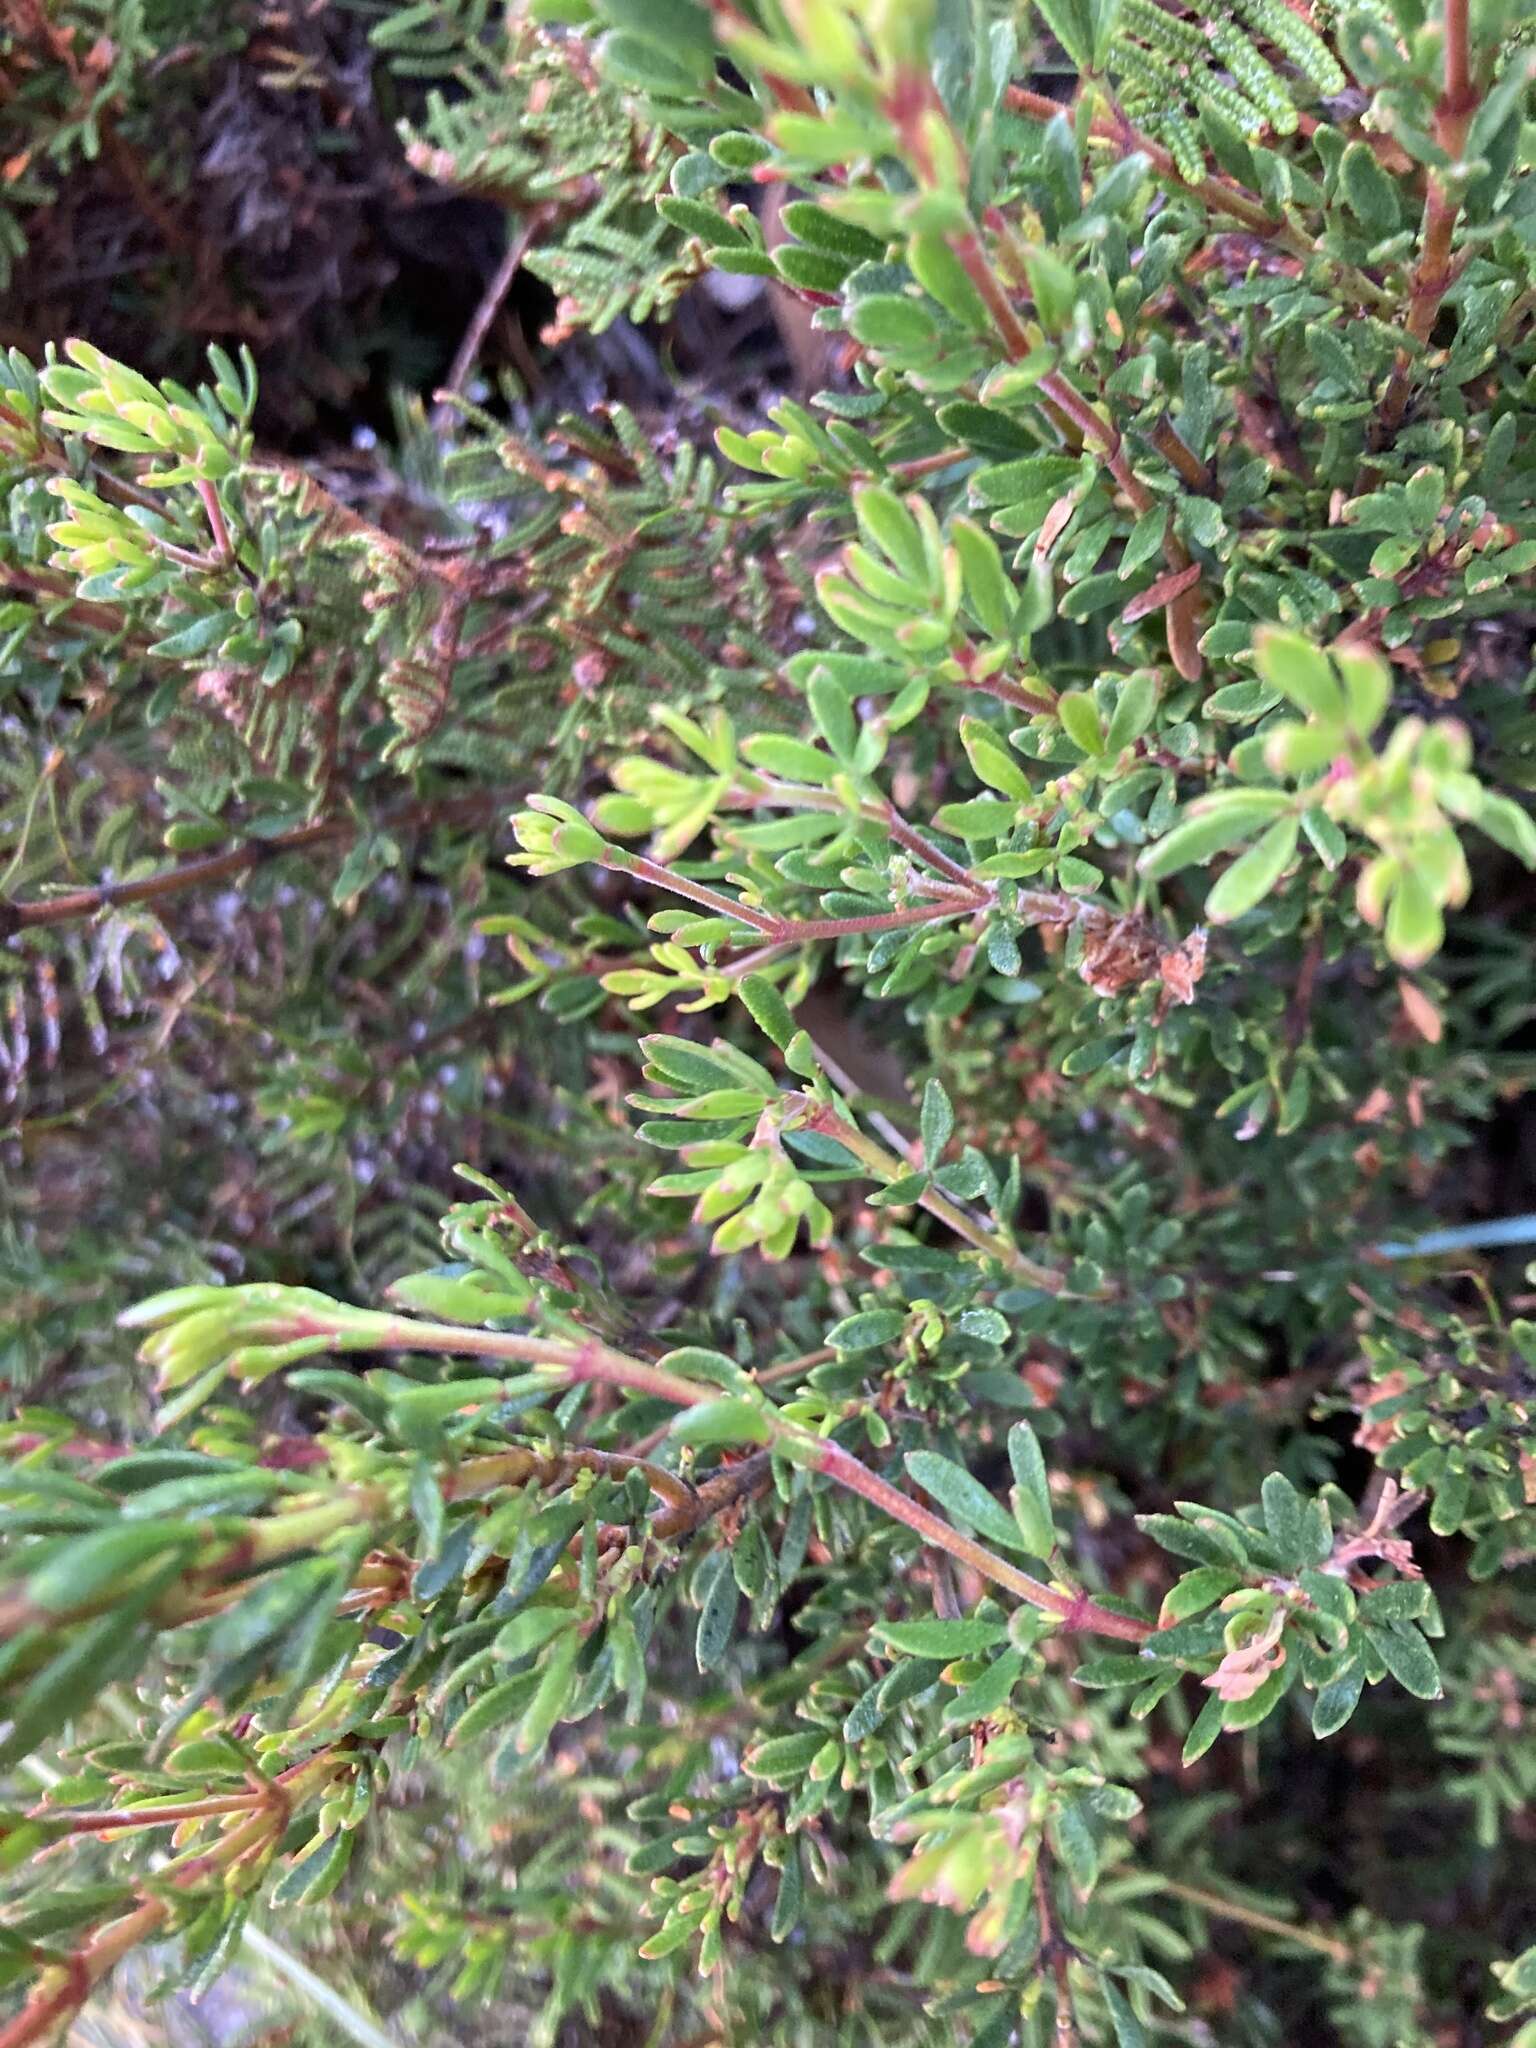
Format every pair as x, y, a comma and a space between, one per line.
766, 1023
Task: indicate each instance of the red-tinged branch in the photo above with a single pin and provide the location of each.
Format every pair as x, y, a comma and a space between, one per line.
220, 867
120, 1819
1181, 458
64, 1987
1222, 195
805, 796
1435, 270
1218, 192
928, 465
798, 931
1037, 703
773, 930
1073, 1610
1182, 618
1101, 432
591, 1362
597, 1362
974, 262
223, 546
661, 877
722, 1490
359, 1331
888, 1167
1056, 391
908, 837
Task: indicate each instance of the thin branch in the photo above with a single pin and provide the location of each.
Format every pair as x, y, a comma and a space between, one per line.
887, 1167
1224, 1908
1183, 614
661, 877
364, 1330
1433, 273
788, 931
223, 545
490, 305
119, 1819
1219, 193
219, 867
1057, 1952
64, 1987
722, 1490
1074, 1610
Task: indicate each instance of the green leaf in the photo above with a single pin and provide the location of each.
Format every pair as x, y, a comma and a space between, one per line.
936, 1123
887, 525
1210, 826
1337, 1701
110, 1648
693, 217
867, 1331
942, 275
1124, 1668
1072, 1838
1196, 1591
988, 591
106, 1559
1205, 1731
1032, 1492
983, 817
549, 1702
473, 1299
791, 1895
993, 763
529, 1631
1071, 23
964, 1497
795, 760
783, 1759
1080, 721
1129, 2032
717, 1613
884, 321
1283, 1508
1299, 671
428, 1507
316, 1875
1251, 877
768, 1009
1510, 824
1369, 193
1415, 927
1134, 708
942, 1639
1409, 1659
731, 1421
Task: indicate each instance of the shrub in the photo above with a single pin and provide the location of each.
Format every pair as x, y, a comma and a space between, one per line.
1054, 793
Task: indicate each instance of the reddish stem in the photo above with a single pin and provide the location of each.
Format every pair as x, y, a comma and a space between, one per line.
908, 836
1434, 271
696, 892
218, 867
101, 1820
223, 546
1075, 1610
791, 931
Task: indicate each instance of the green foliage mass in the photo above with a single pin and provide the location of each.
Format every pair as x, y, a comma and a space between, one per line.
769, 1103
